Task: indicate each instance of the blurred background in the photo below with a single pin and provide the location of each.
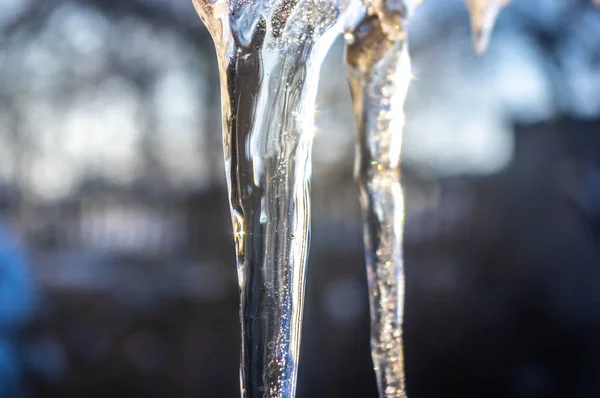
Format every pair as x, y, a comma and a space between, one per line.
117, 275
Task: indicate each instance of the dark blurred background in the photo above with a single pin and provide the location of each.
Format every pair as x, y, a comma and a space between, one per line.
117, 275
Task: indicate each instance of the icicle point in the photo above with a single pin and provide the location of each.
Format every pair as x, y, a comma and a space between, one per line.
484, 14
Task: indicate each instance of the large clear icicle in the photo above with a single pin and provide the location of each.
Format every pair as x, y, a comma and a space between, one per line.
378, 66
269, 55
483, 19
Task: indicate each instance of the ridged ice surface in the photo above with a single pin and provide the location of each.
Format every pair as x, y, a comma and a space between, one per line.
379, 71
483, 19
269, 54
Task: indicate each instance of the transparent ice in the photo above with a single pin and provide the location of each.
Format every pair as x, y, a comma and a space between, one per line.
269, 54
378, 66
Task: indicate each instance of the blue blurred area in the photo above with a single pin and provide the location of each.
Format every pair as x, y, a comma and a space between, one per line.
17, 302
17, 305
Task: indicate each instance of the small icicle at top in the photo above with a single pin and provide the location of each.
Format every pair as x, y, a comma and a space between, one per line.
483, 18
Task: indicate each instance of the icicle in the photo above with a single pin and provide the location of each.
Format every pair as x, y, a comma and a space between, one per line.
378, 66
270, 53
483, 18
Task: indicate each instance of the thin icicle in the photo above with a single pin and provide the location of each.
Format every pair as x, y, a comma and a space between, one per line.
379, 71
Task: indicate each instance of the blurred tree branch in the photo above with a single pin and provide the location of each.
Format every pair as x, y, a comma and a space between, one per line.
157, 15
33, 17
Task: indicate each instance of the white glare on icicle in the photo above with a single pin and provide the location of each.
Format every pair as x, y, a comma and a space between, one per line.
483, 19
270, 53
